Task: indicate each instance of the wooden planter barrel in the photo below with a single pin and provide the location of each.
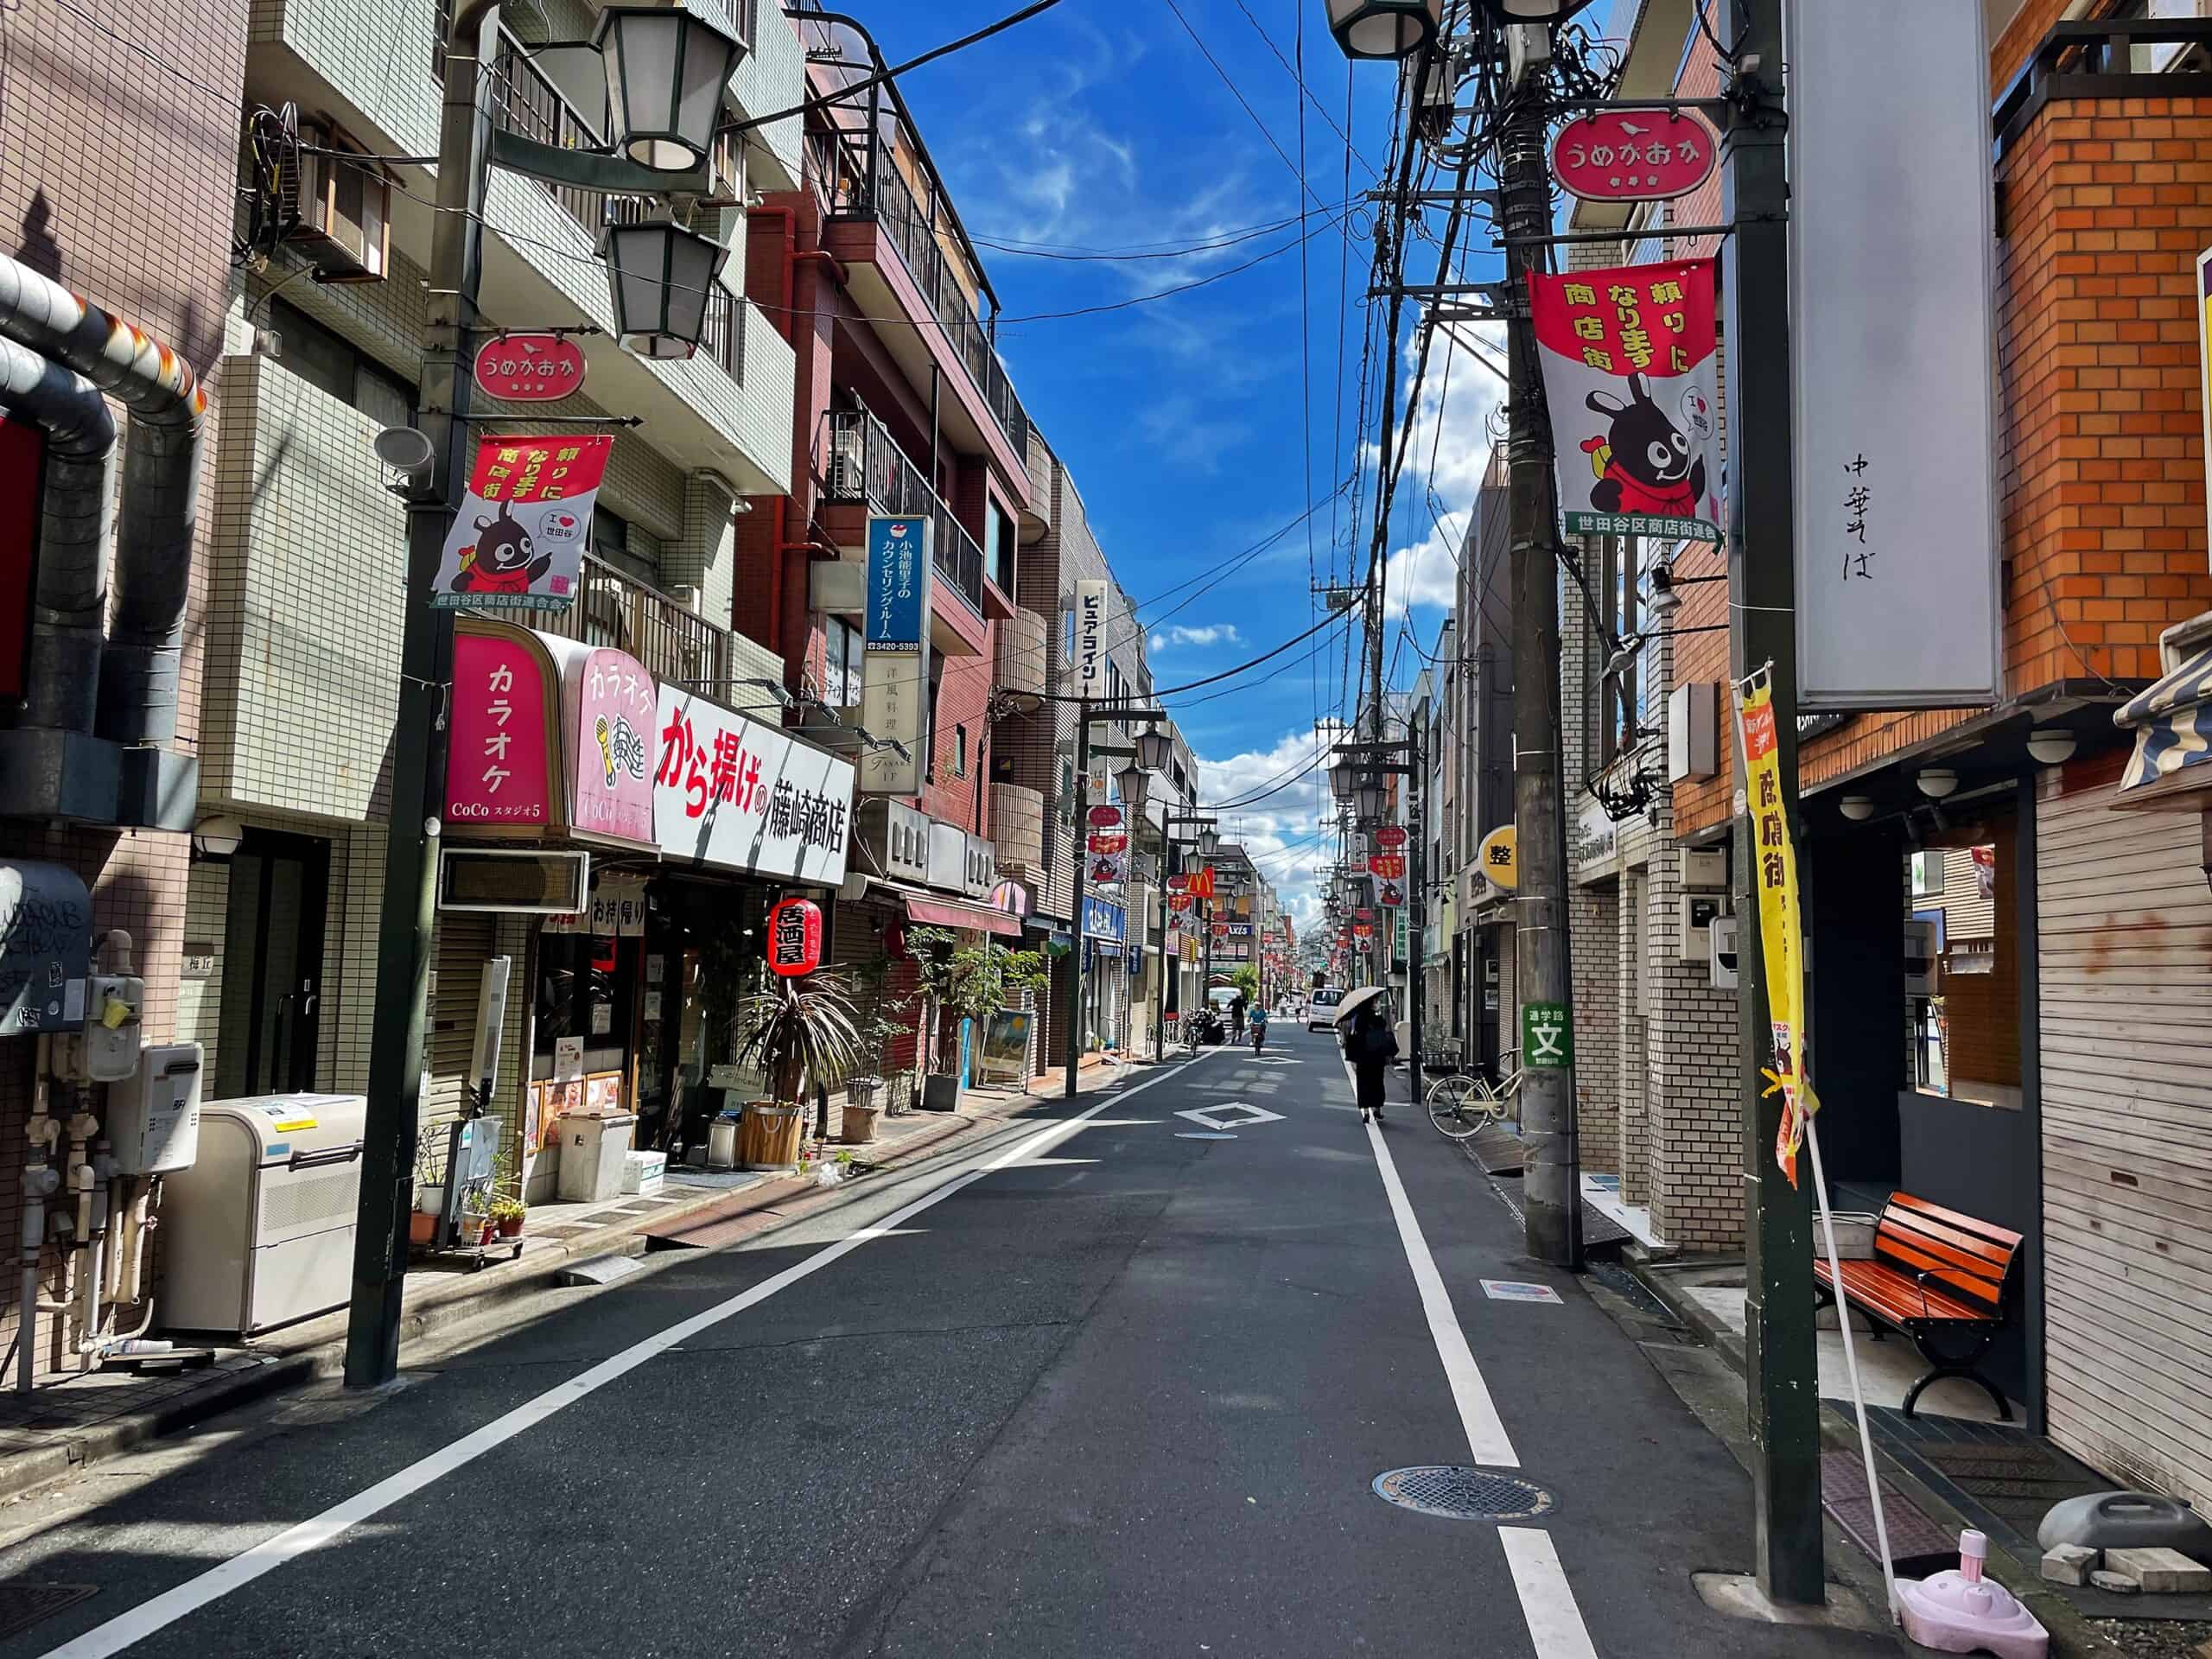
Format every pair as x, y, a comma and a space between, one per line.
768, 1136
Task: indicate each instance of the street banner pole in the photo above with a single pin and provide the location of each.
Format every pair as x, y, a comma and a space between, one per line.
1781, 1377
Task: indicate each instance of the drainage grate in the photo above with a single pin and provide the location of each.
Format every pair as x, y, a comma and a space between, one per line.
1462, 1494
23, 1605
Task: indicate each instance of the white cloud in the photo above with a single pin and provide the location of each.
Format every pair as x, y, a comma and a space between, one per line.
1280, 830
1444, 462
1213, 634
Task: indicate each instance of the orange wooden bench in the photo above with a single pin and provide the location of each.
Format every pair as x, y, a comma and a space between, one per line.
1942, 1279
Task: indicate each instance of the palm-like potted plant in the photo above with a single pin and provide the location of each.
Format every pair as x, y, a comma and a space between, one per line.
802, 1034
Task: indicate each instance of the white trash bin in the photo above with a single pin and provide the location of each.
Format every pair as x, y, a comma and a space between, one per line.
592, 1152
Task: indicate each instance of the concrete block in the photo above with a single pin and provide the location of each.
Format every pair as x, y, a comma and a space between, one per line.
2118, 1584
2069, 1564
2160, 1571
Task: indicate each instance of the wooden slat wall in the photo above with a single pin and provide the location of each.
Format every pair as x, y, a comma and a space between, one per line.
1967, 914
2126, 923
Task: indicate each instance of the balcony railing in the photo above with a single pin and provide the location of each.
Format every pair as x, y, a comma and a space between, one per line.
523, 102
673, 642
862, 181
866, 464
2140, 57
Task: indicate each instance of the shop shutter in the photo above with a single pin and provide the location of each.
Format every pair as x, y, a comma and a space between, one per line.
465, 944
2126, 955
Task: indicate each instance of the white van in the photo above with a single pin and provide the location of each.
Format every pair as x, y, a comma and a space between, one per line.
1321, 1007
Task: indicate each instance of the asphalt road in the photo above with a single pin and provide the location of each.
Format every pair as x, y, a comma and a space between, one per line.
1098, 1389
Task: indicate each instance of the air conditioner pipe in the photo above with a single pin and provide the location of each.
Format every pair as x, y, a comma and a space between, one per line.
61, 680
137, 689
40, 1182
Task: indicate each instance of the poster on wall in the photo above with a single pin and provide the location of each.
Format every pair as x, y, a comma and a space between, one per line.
1631, 375
518, 541
1893, 369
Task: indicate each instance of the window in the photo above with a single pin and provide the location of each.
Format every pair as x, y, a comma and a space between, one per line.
841, 662
959, 750
1067, 637
329, 361
998, 547
613, 542
2164, 57
1615, 701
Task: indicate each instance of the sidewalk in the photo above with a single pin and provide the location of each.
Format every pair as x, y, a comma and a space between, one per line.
66, 1425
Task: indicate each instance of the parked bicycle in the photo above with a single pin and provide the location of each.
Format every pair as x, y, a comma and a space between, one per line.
1463, 1103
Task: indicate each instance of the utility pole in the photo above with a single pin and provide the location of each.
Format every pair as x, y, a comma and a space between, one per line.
1552, 1199
1780, 1374
1072, 1049
399, 1024
1417, 923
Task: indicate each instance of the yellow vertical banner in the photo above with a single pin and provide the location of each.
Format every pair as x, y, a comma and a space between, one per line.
1774, 877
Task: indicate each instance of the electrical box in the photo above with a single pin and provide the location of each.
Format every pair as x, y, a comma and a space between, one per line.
1724, 934
1699, 912
1706, 867
104, 1049
153, 1120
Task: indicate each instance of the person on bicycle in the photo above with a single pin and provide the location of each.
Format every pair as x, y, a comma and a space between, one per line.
1258, 1027
1236, 1017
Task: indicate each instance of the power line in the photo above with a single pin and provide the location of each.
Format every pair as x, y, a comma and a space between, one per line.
886, 75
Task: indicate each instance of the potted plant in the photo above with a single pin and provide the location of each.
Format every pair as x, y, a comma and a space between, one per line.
973, 981
507, 1213
801, 1034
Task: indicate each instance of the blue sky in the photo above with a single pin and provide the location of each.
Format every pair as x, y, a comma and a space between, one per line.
1100, 125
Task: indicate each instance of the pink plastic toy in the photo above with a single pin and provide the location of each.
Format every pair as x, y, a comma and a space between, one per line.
1961, 1612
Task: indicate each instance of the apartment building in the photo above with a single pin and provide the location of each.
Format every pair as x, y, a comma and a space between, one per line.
2004, 959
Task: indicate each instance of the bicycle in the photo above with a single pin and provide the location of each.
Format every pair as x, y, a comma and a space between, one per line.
1462, 1104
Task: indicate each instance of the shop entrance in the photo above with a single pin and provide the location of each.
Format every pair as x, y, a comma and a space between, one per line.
272, 965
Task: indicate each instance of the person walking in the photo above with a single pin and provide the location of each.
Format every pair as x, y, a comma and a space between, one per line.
1371, 1045
1236, 1017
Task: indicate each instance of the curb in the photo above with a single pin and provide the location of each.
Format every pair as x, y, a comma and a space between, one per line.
2071, 1636
315, 1350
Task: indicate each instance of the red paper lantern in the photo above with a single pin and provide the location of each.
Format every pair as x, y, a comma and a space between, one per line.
794, 938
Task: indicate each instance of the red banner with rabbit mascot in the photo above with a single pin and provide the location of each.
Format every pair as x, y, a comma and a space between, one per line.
1632, 380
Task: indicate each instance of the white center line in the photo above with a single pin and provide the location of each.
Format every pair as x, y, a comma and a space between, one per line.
1554, 1622
127, 1629
1486, 1436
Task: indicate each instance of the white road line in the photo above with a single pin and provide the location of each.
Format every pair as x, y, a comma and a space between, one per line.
126, 1630
1486, 1436
1554, 1622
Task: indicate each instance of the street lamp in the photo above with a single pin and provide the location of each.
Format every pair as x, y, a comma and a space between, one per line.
660, 277
1132, 779
665, 71
1384, 29
1532, 11
1208, 842
1371, 798
1153, 747
1343, 777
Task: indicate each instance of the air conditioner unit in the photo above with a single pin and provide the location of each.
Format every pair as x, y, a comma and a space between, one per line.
339, 209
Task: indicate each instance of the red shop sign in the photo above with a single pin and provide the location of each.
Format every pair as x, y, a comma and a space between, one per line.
794, 938
529, 368
1106, 817
1221, 930
1109, 842
1361, 930
1392, 836
1633, 154
1390, 866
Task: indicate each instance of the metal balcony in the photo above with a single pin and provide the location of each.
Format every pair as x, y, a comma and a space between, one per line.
671, 641
860, 179
865, 464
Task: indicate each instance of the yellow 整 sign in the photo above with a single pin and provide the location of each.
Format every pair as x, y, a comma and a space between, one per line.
1782, 935
1498, 859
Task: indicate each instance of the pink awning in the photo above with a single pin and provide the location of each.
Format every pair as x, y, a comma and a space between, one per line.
933, 913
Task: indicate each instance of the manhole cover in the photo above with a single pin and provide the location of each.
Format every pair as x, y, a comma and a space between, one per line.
1462, 1494
23, 1605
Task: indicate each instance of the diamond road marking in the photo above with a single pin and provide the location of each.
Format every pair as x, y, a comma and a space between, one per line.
1515, 1290
1230, 1115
